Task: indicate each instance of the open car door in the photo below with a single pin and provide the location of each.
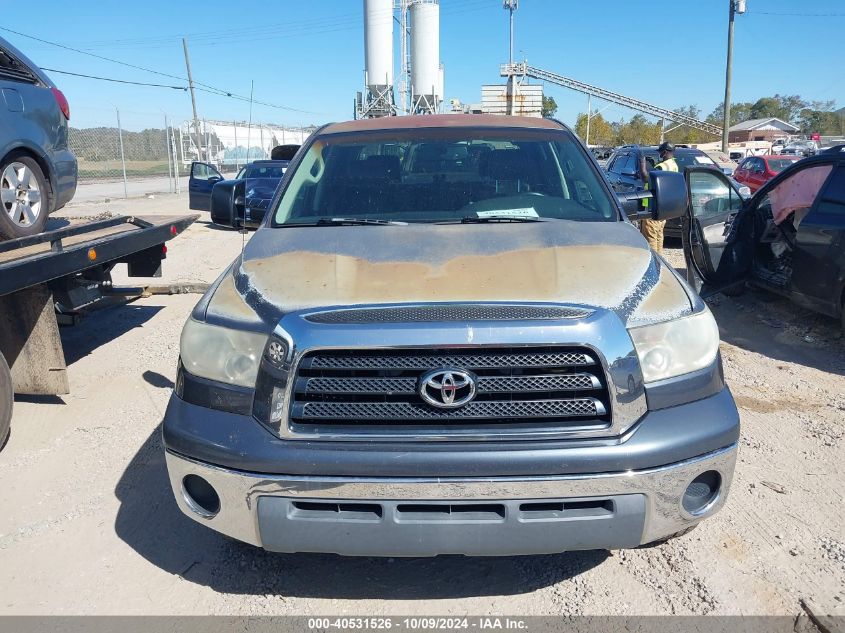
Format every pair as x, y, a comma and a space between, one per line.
202, 180
713, 233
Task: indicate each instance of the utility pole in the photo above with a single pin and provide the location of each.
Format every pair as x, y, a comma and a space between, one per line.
403, 55
734, 7
511, 6
193, 99
589, 115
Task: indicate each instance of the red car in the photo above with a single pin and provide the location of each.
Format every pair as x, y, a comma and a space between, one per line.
756, 171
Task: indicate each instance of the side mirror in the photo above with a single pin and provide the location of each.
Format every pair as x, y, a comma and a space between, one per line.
631, 202
214, 179
670, 194
227, 203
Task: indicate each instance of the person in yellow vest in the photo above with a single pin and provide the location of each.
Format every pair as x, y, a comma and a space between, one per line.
653, 229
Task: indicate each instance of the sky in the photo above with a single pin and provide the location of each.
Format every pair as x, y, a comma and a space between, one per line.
309, 56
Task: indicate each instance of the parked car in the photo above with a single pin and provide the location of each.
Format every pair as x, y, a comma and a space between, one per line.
725, 163
777, 146
624, 175
756, 171
427, 349
788, 238
38, 172
256, 184
801, 148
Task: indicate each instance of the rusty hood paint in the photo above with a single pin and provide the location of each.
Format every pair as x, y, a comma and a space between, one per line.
599, 264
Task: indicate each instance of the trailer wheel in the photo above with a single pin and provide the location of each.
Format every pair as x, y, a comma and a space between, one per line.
7, 397
24, 197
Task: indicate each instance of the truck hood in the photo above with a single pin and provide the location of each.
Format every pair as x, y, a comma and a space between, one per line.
601, 264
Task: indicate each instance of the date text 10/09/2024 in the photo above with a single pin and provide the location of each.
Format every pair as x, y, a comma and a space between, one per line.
416, 624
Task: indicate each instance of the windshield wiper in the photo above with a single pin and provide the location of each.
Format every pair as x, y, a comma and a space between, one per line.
357, 222
499, 218
343, 222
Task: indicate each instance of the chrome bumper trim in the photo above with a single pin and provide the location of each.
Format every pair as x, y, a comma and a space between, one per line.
663, 487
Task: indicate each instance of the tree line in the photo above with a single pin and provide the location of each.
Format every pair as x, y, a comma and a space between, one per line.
809, 116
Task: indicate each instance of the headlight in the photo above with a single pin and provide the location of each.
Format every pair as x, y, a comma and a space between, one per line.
676, 347
221, 354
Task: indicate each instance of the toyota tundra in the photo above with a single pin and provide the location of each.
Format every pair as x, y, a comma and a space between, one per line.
447, 337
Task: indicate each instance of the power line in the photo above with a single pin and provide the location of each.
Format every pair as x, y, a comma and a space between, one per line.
119, 81
76, 50
210, 89
799, 15
298, 27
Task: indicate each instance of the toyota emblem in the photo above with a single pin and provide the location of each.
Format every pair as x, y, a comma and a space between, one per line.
447, 388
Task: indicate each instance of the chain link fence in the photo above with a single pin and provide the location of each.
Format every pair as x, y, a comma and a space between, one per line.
129, 146
126, 145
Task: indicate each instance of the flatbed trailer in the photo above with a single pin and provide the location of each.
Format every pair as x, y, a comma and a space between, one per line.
46, 279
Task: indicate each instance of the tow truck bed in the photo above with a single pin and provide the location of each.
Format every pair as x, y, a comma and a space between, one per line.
29, 261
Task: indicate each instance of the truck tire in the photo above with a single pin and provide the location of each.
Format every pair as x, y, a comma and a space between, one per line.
24, 197
7, 397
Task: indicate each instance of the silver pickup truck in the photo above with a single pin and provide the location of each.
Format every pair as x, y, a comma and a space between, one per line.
447, 337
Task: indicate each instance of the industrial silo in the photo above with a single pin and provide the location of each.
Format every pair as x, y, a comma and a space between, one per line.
378, 57
426, 80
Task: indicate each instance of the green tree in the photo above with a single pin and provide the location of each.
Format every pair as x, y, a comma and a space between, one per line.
638, 130
685, 134
549, 106
821, 121
740, 112
601, 132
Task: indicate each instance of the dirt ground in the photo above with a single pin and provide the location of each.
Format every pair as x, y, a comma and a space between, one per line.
88, 524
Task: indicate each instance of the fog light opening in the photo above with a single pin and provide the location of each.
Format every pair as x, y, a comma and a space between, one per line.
702, 492
200, 496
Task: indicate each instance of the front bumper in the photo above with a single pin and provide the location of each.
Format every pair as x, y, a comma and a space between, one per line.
494, 516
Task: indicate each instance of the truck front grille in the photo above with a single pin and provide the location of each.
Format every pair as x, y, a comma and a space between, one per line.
543, 389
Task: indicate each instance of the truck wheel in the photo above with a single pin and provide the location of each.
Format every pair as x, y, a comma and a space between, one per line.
24, 197
7, 397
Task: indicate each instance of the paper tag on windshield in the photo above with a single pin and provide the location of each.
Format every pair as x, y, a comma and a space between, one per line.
527, 212
703, 160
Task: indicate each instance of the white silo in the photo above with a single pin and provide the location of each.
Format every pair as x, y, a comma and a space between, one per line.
426, 80
378, 58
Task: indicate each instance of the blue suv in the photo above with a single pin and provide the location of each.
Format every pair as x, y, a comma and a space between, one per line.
38, 172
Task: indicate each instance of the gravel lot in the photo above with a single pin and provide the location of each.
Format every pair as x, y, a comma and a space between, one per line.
88, 524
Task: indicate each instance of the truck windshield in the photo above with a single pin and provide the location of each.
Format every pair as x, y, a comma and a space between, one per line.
437, 175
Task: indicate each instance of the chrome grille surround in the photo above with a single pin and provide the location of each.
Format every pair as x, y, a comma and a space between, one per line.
599, 337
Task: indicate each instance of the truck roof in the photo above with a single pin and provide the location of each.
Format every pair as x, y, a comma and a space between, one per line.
440, 121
